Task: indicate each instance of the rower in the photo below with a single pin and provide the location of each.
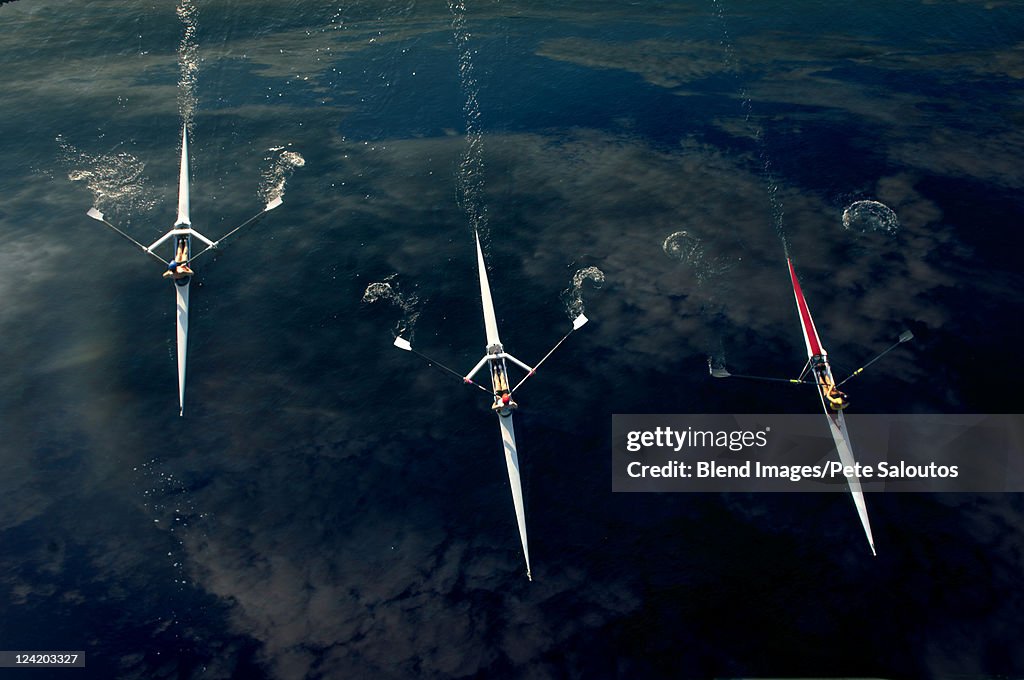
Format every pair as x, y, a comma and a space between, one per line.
837, 400
503, 403
178, 267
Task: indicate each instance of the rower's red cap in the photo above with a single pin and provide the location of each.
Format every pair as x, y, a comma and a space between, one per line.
505, 399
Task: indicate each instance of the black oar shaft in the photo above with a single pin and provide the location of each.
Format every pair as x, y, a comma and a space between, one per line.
129, 238
552, 351
861, 369
441, 366
791, 381
217, 243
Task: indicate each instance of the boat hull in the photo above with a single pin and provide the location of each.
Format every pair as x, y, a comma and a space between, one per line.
181, 323
508, 440
836, 422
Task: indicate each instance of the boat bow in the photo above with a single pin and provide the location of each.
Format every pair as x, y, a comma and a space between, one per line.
183, 201
490, 320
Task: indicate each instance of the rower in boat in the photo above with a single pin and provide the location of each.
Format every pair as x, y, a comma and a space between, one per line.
501, 390
178, 267
837, 400
503, 403
817, 372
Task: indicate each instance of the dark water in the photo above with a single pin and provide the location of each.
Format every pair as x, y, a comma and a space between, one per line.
329, 507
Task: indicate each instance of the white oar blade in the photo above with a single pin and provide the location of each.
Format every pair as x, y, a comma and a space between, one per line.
95, 214
579, 322
906, 336
717, 372
273, 204
402, 343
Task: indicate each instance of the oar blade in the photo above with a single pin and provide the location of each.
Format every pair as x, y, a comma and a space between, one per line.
906, 336
717, 372
273, 204
579, 322
402, 343
95, 214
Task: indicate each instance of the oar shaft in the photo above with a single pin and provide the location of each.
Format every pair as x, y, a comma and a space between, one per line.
861, 369
441, 366
217, 243
887, 350
141, 247
791, 381
552, 351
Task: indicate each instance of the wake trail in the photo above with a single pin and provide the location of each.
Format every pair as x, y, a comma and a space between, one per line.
470, 179
775, 206
188, 63
714, 310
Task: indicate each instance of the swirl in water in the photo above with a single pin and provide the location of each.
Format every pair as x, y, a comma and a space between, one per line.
384, 290
115, 179
282, 164
689, 249
573, 295
685, 247
870, 216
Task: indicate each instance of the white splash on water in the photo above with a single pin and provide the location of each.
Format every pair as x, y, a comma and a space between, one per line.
690, 250
870, 216
572, 296
280, 164
684, 247
116, 180
388, 290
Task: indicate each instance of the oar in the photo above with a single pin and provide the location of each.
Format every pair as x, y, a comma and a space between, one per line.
905, 336
402, 343
98, 216
722, 373
577, 324
270, 206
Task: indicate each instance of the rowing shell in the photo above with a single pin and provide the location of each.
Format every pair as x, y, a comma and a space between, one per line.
182, 233
181, 286
501, 390
836, 422
499, 379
